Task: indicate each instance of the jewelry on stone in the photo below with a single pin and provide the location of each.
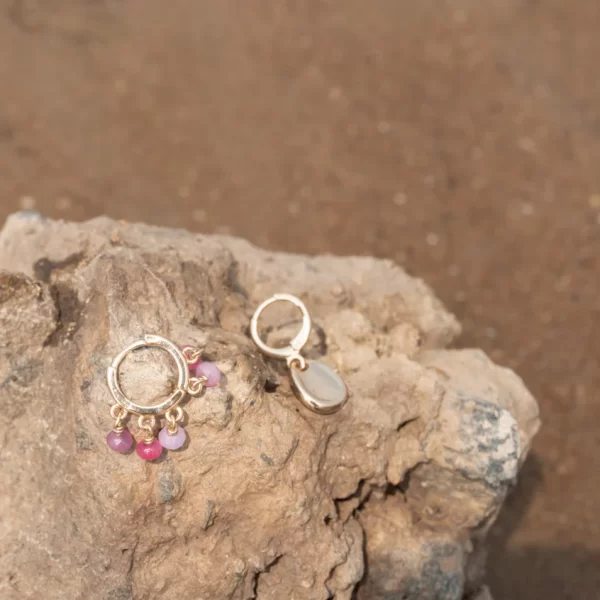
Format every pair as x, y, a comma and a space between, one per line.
194, 374
317, 386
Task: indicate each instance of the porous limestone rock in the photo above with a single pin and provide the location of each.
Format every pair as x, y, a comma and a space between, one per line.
389, 498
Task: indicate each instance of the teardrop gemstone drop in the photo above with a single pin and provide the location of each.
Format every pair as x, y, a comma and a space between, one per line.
319, 387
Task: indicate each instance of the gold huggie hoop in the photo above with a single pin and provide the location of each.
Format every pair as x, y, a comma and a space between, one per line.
150, 341
291, 352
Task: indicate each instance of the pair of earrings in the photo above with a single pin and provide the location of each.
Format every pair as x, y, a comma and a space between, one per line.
317, 386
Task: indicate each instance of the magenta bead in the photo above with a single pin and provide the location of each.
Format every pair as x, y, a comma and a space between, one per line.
194, 364
149, 451
119, 442
172, 441
210, 371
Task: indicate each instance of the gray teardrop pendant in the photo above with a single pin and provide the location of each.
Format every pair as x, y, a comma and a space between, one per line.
319, 387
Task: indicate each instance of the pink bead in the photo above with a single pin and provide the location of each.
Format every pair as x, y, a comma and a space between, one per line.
194, 364
119, 442
149, 451
172, 441
210, 371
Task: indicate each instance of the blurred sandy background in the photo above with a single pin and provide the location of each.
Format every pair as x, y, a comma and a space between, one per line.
460, 138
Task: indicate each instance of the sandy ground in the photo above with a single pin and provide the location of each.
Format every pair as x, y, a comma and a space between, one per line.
460, 138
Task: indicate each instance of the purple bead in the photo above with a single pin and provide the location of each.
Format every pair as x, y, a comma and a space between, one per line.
172, 441
210, 371
120, 442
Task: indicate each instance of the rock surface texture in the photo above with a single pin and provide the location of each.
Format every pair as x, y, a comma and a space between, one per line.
390, 498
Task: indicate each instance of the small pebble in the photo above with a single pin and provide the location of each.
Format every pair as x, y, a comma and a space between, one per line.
527, 145
199, 215
594, 201
384, 127
433, 239
400, 199
335, 94
527, 209
64, 203
27, 202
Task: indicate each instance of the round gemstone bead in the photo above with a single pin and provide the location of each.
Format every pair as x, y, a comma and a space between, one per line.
172, 441
149, 451
120, 442
210, 371
194, 364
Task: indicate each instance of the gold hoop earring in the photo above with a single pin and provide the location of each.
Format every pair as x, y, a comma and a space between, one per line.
317, 386
193, 375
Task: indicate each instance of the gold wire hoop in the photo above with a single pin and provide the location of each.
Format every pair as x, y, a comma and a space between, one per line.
292, 350
119, 414
197, 385
191, 354
297, 361
147, 423
173, 416
183, 381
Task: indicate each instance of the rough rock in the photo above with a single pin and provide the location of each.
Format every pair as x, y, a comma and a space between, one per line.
389, 498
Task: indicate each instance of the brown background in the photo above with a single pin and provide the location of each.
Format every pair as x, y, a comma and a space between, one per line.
460, 138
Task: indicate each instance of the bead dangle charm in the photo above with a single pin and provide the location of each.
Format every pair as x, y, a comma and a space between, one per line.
317, 386
194, 375
119, 439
